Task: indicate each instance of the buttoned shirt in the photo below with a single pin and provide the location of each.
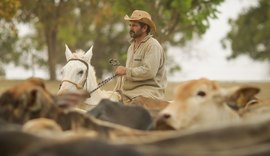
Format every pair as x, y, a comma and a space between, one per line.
146, 73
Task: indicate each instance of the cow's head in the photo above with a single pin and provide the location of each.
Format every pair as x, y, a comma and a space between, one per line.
26, 100
30, 99
187, 102
202, 102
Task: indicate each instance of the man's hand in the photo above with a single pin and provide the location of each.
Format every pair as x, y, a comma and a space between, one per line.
120, 70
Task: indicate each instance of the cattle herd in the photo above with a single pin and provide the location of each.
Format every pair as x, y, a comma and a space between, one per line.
202, 119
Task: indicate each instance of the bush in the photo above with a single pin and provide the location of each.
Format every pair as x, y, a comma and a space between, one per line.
2, 72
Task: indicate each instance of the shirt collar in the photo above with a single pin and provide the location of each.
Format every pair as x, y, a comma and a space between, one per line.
144, 39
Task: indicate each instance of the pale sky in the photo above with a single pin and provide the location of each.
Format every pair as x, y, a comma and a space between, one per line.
203, 58
208, 58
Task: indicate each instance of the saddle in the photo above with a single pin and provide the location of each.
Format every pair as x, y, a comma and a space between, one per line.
149, 103
154, 106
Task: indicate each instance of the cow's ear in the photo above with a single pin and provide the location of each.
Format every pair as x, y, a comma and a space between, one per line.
37, 81
241, 97
34, 99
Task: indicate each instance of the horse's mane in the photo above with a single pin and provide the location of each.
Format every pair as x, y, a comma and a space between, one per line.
79, 53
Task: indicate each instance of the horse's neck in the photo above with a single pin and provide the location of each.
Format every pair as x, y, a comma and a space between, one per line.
92, 84
99, 94
95, 98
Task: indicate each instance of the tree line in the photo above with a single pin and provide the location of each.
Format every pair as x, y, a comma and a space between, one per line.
82, 23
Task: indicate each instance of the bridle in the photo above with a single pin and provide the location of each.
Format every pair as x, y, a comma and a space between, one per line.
83, 82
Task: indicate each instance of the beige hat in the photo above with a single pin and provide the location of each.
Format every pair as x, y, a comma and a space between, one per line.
142, 16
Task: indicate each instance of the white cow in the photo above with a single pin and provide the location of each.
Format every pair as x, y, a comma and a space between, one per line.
200, 103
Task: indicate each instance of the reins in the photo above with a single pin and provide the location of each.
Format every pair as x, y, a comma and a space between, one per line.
114, 63
102, 83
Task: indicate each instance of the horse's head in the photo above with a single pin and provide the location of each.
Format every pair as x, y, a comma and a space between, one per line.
75, 72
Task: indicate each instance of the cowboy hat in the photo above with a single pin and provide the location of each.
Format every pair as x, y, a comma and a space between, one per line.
142, 16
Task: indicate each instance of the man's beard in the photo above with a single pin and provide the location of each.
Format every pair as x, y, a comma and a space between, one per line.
135, 34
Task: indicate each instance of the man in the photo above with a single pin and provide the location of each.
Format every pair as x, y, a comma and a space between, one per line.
144, 73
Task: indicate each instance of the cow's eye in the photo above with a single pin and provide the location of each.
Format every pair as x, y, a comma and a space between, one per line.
201, 93
80, 72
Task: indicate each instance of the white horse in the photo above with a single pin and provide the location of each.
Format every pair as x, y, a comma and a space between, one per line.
78, 74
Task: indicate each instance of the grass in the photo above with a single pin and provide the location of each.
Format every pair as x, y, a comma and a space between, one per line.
53, 87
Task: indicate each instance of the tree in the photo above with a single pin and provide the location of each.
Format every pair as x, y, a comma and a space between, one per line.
8, 32
250, 33
72, 22
177, 21
82, 23
47, 17
8, 9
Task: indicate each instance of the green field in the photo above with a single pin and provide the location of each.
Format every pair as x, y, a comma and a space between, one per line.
53, 86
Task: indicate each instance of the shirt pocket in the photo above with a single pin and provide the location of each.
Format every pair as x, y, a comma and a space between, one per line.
137, 60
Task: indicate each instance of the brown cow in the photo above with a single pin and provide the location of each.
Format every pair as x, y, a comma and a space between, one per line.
14, 142
248, 106
256, 109
31, 100
80, 147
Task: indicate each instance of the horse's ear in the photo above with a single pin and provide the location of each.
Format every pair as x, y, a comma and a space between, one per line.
68, 53
88, 55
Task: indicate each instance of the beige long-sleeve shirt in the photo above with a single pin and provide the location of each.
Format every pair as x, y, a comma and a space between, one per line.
146, 73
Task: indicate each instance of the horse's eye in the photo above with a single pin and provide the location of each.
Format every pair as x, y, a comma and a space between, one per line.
201, 93
80, 72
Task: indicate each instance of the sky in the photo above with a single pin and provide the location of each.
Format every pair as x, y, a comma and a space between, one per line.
200, 58
208, 58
